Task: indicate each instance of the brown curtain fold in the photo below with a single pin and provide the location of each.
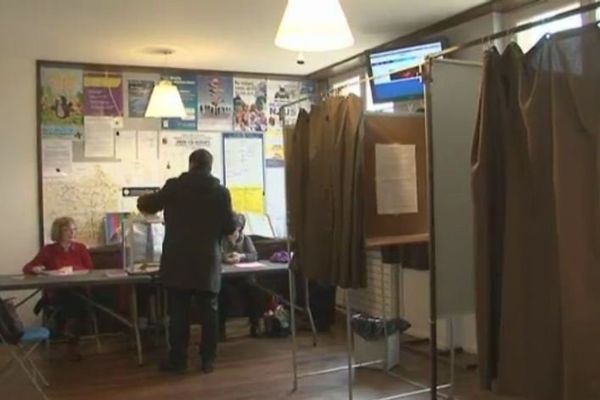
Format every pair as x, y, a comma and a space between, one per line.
325, 181
535, 190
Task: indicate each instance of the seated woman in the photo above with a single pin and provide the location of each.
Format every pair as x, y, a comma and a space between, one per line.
64, 253
237, 248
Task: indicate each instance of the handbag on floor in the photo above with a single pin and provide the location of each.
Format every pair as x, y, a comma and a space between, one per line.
11, 326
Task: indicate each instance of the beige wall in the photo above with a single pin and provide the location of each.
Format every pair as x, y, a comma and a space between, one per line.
18, 176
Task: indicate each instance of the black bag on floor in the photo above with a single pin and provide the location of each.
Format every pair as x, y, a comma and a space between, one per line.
11, 326
372, 328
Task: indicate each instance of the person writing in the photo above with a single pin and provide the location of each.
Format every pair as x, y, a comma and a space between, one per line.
237, 248
197, 213
64, 254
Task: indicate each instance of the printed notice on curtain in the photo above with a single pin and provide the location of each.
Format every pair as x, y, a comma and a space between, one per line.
396, 179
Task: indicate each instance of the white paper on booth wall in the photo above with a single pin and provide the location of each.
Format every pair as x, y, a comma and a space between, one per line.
126, 145
99, 137
57, 156
396, 179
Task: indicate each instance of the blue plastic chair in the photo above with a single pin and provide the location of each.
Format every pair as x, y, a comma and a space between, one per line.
21, 356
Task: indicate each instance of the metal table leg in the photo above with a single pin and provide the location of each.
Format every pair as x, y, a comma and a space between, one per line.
349, 347
136, 328
313, 328
292, 284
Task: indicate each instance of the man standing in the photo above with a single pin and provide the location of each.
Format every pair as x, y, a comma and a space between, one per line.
198, 214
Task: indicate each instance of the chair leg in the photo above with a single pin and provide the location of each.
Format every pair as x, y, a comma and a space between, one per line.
26, 356
32, 377
96, 332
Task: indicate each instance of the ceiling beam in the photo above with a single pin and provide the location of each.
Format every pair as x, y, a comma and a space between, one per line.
359, 60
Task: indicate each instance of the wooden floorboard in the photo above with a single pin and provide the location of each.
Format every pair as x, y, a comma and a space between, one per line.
247, 369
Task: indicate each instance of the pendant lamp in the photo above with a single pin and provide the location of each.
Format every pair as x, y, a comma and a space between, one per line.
165, 100
314, 25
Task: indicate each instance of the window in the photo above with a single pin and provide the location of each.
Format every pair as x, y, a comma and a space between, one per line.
527, 39
348, 86
379, 107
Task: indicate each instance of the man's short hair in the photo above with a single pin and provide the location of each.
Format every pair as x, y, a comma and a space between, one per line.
201, 160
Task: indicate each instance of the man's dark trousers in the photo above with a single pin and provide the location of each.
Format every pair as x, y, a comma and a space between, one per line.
180, 301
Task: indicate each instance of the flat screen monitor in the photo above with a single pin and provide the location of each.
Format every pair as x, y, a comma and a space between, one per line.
389, 85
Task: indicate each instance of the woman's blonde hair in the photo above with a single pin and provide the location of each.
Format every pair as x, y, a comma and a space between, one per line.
57, 227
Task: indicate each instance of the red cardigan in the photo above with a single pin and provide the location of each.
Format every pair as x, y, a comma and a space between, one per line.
54, 256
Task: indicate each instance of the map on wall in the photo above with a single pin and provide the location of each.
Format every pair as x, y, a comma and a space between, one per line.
86, 196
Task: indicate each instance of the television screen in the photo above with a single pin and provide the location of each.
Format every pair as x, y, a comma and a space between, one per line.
390, 85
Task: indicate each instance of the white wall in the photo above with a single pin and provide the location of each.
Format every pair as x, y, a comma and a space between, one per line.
18, 176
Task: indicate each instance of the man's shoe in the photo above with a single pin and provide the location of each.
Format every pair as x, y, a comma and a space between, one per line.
207, 366
173, 367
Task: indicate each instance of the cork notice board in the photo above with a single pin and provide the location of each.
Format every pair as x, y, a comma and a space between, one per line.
385, 227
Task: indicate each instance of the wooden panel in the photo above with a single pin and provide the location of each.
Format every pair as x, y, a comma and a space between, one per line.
395, 229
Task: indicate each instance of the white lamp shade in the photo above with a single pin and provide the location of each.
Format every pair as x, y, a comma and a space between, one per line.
165, 101
314, 25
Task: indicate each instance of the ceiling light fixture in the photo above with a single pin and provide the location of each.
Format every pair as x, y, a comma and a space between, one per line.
314, 25
165, 100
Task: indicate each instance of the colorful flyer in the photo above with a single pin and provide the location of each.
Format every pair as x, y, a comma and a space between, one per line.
250, 104
103, 94
61, 102
215, 102
280, 93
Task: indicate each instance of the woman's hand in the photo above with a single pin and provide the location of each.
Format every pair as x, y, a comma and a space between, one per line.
38, 270
232, 258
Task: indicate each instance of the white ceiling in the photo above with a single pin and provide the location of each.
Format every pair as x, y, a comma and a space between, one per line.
235, 35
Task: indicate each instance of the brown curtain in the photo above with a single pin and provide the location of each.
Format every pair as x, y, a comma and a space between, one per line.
325, 195
535, 189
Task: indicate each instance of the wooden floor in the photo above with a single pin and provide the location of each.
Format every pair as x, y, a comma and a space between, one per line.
247, 369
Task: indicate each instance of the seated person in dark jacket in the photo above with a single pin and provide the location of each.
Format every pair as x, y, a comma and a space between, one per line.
237, 248
197, 212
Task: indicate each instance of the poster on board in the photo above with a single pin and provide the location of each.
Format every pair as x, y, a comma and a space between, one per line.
279, 93
249, 102
103, 94
274, 154
186, 84
176, 146
244, 170
138, 96
215, 102
61, 102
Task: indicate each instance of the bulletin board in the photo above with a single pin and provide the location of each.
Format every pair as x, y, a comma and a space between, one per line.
97, 152
395, 173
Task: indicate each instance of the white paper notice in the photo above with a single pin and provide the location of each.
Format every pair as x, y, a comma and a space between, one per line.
396, 179
99, 137
147, 145
126, 145
244, 161
176, 147
57, 156
258, 225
